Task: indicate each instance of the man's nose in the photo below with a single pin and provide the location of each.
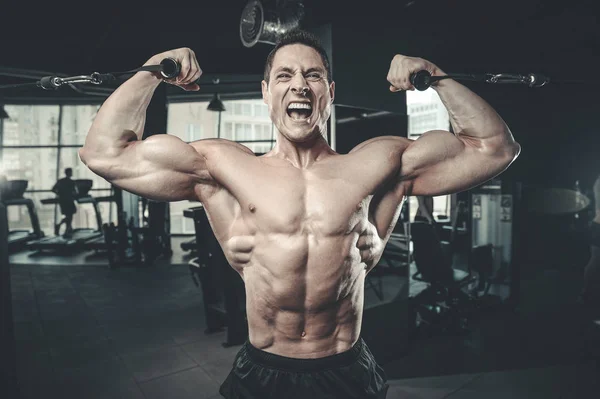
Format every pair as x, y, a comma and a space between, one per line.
299, 85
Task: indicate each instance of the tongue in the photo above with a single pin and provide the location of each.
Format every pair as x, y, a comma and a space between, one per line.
299, 114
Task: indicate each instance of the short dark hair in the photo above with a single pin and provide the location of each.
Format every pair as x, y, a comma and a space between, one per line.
297, 36
68, 171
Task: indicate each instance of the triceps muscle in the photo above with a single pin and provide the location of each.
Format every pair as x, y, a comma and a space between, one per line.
439, 163
162, 168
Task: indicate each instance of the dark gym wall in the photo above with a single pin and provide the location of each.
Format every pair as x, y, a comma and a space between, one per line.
350, 134
361, 61
555, 125
557, 129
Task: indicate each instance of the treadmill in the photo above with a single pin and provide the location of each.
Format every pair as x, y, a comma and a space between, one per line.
12, 195
80, 235
99, 243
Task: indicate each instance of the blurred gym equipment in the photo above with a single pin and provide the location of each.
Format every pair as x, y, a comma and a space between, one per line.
223, 291
261, 23
190, 245
555, 201
79, 235
443, 304
8, 367
12, 195
130, 243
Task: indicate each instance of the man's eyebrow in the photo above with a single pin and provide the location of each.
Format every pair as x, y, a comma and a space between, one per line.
290, 70
284, 69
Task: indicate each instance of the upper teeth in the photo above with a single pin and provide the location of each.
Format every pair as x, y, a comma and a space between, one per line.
299, 106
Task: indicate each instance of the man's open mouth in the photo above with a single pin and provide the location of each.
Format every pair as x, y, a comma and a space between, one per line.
299, 111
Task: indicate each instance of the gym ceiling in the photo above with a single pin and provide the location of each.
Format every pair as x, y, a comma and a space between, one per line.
75, 38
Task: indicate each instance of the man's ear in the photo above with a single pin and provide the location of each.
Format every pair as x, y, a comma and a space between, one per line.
265, 91
332, 91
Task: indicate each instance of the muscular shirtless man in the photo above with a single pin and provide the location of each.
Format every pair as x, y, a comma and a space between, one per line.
302, 224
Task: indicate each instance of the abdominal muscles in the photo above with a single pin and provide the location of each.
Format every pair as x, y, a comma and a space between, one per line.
304, 296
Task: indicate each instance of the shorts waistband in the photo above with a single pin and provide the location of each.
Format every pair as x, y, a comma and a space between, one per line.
272, 360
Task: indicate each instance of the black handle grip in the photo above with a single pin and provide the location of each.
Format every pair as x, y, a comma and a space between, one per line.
170, 68
421, 80
102, 77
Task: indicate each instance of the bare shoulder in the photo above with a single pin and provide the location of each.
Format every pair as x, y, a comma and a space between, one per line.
376, 160
209, 147
385, 146
220, 159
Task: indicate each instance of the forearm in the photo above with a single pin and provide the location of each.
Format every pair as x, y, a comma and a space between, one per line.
122, 117
472, 117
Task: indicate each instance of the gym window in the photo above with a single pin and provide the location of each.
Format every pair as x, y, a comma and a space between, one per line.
427, 112
38, 143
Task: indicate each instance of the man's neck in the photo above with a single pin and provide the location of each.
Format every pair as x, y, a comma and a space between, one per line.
301, 155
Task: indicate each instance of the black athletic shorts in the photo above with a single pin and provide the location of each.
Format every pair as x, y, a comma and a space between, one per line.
595, 234
352, 374
67, 207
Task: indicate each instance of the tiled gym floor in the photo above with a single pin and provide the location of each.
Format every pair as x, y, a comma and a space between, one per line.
84, 331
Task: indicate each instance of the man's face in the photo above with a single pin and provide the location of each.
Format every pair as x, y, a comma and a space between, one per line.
298, 93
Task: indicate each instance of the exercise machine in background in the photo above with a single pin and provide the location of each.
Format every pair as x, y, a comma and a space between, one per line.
492, 220
156, 229
12, 196
223, 290
457, 292
8, 360
136, 241
99, 244
79, 235
189, 245
396, 258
